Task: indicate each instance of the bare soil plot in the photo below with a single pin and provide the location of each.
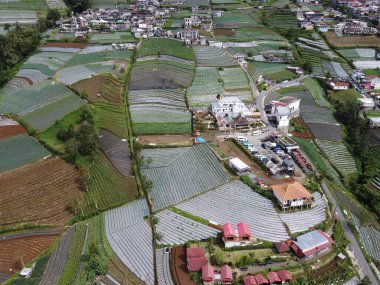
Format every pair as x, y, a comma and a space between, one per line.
178, 267
64, 45
121, 273
359, 41
17, 252
12, 130
183, 140
39, 193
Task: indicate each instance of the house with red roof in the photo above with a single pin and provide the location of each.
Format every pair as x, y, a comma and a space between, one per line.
196, 258
241, 237
284, 275
281, 246
311, 243
273, 278
226, 274
249, 280
207, 273
261, 280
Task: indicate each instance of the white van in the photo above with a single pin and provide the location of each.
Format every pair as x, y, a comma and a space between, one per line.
256, 133
241, 139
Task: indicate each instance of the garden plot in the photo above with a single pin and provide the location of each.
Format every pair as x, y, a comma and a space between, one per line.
117, 151
58, 258
21, 5
234, 19
318, 93
22, 17
91, 55
339, 70
194, 172
163, 267
176, 229
42, 104
212, 56
131, 238
284, 21
370, 64
20, 150
359, 53
160, 75
109, 38
207, 84
162, 158
51, 60
34, 76
9, 128
235, 202
56, 4
369, 237
19, 83
234, 78
303, 220
169, 47
266, 69
338, 155
95, 49
160, 111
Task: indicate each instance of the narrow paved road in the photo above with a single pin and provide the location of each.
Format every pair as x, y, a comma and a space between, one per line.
350, 236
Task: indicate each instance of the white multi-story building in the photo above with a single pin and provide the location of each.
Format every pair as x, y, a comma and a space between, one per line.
230, 107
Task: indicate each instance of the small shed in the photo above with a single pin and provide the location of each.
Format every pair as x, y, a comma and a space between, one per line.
207, 273
273, 278
281, 246
261, 280
238, 165
284, 275
226, 274
249, 280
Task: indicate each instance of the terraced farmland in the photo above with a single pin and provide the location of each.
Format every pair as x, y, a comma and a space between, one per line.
234, 78
26, 17
41, 105
18, 251
162, 111
176, 229
131, 238
212, 56
117, 151
319, 94
112, 118
107, 187
113, 37
103, 88
160, 75
20, 150
40, 184
301, 221
235, 202
234, 19
339, 156
91, 54
192, 173
283, 21
206, 85
47, 62
369, 237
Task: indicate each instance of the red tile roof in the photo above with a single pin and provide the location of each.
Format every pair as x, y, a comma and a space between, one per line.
260, 279
228, 230
195, 258
243, 230
273, 278
281, 246
207, 273
284, 275
226, 273
249, 280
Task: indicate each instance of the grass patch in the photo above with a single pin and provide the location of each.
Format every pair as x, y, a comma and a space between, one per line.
167, 47
281, 75
373, 72
298, 88
161, 128
190, 216
344, 96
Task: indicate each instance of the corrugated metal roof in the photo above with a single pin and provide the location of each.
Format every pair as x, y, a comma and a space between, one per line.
310, 240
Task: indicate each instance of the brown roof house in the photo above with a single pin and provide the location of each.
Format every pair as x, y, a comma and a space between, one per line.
292, 195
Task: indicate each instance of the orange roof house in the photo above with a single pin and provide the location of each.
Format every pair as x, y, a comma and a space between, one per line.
292, 194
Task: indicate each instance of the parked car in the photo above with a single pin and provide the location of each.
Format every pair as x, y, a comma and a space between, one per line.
241, 139
274, 160
249, 146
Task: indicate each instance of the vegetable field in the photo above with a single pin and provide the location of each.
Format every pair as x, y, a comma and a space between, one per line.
165, 47
112, 118
20, 150
115, 37
317, 91
107, 187
192, 173
212, 56
234, 78
39, 183
339, 156
86, 56
159, 108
